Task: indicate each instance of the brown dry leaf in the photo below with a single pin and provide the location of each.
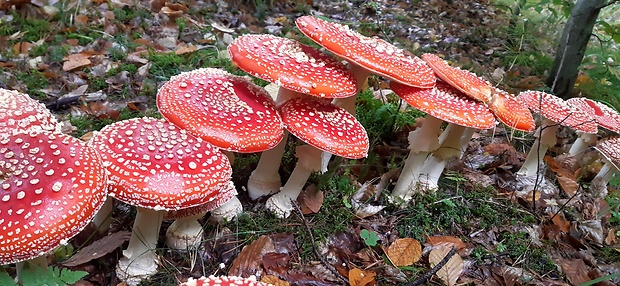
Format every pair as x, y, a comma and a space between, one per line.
568, 185
575, 270
73, 42
449, 240
611, 236
248, 262
310, 200
358, 277
102, 110
185, 49
450, 272
404, 251
75, 61
81, 20
271, 279
22, 48
98, 248
561, 222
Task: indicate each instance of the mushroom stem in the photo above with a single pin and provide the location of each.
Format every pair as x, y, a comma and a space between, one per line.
584, 140
103, 218
309, 160
185, 233
227, 211
545, 138
139, 259
606, 173
451, 148
421, 142
265, 179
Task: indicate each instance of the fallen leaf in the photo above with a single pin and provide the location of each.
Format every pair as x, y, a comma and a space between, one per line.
611, 236
81, 19
562, 222
568, 185
451, 271
404, 252
98, 248
274, 280
310, 200
248, 262
22, 48
449, 240
575, 270
358, 277
75, 61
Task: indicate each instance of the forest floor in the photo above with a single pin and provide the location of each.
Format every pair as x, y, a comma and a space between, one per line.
97, 62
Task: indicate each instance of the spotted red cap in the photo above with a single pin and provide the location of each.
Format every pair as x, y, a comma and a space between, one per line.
19, 112
224, 281
604, 115
446, 103
227, 193
292, 65
610, 149
510, 111
374, 54
465, 81
228, 111
51, 186
326, 127
154, 164
557, 110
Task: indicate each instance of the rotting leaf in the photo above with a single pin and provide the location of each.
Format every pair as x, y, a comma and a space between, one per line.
404, 251
310, 200
359, 277
452, 270
562, 222
98, 248
248, 262
575, 270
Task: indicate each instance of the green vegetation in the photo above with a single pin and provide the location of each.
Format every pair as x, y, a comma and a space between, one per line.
34, 275
519, 247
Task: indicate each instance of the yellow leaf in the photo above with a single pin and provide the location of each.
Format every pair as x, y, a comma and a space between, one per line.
358, 277
404, 252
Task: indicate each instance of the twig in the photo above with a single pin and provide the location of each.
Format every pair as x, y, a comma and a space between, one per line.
422, 279
314, 249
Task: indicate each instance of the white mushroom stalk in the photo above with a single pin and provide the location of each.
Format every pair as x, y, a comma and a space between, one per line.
545, 138
610, 150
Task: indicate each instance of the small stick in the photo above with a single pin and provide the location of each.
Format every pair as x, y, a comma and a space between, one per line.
422, 279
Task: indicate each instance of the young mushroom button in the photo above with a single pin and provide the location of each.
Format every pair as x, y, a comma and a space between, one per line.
51, 185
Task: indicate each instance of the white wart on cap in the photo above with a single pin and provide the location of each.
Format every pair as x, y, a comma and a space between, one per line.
19, 112
51, 185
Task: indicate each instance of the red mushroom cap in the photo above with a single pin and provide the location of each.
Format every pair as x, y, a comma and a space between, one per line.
557, 110
292, 65
446, 103
510, 111
228, 111
373, 54
610, 149
465, 81
19, 112
154, 164
51, 186
227, 193
326, 127
604, 115
224, 281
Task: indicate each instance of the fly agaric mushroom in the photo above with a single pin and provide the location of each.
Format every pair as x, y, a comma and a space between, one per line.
224, 281
610, 149
326, 128
51, 186
297, 69
225, 110
505, 107
555, 112
19, 112
604, 116
156, 166
441, 103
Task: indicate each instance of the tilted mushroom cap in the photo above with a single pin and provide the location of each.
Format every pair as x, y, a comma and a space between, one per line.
610, 149
154, 164
604, 115
227, 193
326, 127
446, 103
224, 281
51, 187
292, 65
510, 111
19, 112
373, 54
228, 111
557, 110
465, 81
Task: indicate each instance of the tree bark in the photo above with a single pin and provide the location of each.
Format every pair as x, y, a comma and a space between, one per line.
572, 46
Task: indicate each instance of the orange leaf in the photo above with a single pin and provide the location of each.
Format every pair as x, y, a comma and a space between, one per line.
75, 61
310, 200
274, 280
404, 252
358, 277
568, 185
22, 47
562, 222
185, 49
451, 271
81, 20
449, 240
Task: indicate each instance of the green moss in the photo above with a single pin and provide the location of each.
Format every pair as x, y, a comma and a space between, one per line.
518, 246
34, 81
33, 28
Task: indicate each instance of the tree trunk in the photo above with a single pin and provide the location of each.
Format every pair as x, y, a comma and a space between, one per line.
572, 47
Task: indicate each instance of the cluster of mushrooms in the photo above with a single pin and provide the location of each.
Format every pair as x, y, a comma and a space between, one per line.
53, 185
